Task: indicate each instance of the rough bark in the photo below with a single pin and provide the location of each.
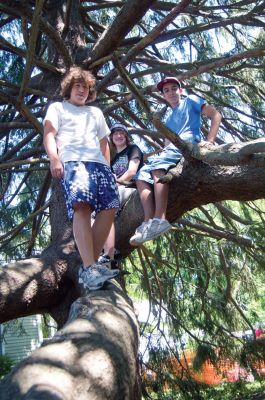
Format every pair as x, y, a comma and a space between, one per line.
85, 359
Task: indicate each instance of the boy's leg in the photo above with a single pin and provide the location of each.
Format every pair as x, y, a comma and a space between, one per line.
109, 246
146, 194
83, 232
105, 198
158, 224
161, 194
147, 198
101, 230
96, 275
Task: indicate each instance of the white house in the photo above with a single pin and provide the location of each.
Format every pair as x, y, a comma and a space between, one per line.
20, 337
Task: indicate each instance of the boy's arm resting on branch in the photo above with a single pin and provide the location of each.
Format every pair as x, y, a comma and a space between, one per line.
49, 142
215, 118
104, 147
131, 171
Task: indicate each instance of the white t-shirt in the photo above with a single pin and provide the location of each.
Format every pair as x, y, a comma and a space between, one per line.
79, 130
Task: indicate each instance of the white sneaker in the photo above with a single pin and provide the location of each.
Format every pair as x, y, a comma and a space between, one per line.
94, 276
156, 228
137, 238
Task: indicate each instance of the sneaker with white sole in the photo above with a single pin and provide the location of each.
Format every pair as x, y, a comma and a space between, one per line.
94, 276
137, 238
108, 262
155, 229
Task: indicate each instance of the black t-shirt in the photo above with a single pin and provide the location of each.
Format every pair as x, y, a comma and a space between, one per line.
120, 163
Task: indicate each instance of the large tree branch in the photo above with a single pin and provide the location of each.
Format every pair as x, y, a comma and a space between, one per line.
146, 41
250, 153
38, 284
192, 185
86, 357
128, 16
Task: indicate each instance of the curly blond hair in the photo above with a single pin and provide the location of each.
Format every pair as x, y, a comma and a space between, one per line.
76, 75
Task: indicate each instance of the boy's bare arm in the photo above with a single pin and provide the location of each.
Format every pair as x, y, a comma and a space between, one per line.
49, 142
215, 118
104, 147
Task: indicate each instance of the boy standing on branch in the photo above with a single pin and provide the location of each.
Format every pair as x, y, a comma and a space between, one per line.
184, 120
75, 139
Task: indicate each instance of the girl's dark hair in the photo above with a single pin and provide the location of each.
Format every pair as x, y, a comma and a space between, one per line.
126, 136
76, 75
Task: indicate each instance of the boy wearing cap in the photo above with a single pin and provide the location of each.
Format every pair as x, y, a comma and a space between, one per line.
124, 165
184, 120
75, 139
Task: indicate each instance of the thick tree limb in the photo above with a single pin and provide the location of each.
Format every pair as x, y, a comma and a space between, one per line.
192, 185
83, 360
250, 153
38, 284
128, 16
231, 154
147, 40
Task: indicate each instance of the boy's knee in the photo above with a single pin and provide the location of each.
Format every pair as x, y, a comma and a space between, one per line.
141, 183
109, 211
81, 207
158, 172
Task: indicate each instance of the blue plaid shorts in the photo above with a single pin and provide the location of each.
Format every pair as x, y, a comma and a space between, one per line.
89, 182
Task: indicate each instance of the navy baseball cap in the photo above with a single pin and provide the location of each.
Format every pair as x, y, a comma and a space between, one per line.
168, 79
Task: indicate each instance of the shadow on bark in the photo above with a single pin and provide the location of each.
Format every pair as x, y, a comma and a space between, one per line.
94, 356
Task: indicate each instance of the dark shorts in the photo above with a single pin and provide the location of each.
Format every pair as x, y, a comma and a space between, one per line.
89, 182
